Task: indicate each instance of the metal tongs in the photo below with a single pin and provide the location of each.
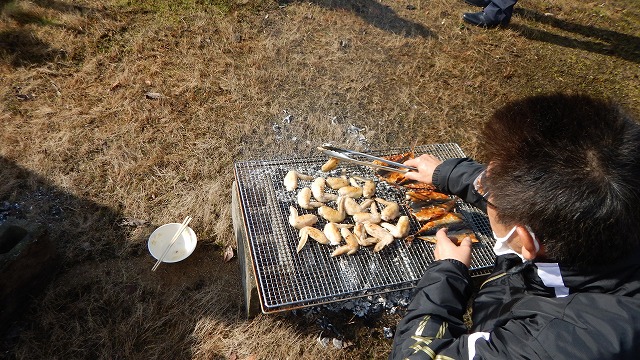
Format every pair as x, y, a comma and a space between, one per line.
345, 155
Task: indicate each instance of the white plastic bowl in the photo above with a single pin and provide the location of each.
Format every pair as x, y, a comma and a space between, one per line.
181, 249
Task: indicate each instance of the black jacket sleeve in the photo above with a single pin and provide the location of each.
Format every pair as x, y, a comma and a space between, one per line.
456, 176
435, 313
434, 328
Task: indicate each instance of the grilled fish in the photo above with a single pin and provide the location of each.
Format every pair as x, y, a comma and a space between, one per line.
393, 177
427, 211
455, 236
452, 221
417, 185
425, 195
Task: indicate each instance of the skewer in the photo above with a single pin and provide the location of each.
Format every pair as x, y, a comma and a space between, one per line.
183, 226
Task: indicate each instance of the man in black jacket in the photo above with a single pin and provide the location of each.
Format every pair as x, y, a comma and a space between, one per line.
562, 193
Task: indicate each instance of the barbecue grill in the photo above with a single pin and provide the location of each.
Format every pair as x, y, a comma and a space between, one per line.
285, 279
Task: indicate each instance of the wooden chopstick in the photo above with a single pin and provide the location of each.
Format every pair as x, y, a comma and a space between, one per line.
183, 226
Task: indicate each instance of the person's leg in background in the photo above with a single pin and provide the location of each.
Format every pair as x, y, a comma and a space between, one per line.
496, 12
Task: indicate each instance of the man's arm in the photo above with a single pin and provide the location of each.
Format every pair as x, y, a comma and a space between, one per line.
434, 328
434, 316
456, 176
452, 176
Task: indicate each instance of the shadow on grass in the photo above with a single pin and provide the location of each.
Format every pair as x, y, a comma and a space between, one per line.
600, 41
378, 15
31, 15
61, 6
71, 222
20, 47
104, 301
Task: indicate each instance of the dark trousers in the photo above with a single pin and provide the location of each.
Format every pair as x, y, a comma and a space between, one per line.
500, 10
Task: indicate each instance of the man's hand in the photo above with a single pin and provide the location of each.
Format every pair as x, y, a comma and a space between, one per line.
446, 249
426, 164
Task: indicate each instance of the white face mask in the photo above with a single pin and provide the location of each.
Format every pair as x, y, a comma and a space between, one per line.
501, 247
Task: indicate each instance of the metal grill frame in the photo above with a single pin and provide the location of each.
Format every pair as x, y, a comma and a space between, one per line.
287, 280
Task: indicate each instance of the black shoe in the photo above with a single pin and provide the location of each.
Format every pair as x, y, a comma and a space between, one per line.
480, 19
479, 3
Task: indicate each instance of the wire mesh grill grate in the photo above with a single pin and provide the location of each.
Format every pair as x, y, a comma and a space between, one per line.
287, 279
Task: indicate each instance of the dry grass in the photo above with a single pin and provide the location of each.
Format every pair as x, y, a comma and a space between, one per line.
82, 147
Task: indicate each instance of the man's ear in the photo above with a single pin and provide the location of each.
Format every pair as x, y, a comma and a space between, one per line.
528, 251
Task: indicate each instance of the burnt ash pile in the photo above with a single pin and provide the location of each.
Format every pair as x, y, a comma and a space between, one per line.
9, 209
337, 322
293, 130
42, 203
369, 306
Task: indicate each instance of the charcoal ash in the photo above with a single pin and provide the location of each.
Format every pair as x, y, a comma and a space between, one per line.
277, 130
373, 306
323, 341
334, 320
357, 134
10, 209
325, 324
45, 202
291, 128
353, 130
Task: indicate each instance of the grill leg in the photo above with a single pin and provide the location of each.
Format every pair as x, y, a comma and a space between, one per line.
251, 297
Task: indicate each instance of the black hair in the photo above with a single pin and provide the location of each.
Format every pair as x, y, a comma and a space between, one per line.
569, 167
